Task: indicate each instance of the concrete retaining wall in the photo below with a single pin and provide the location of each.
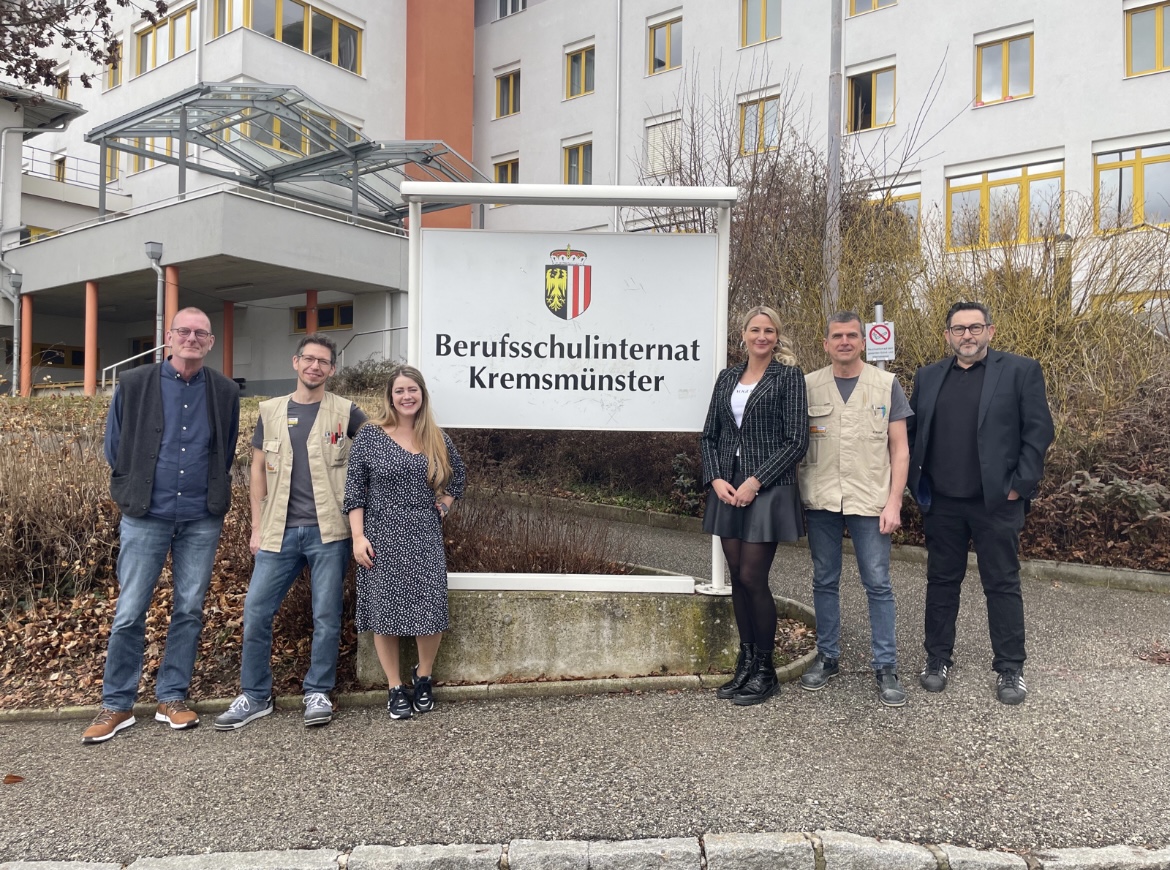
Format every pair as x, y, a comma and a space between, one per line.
506, 636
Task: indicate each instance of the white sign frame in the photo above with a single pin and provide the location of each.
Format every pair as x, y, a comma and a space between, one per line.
880, 351
415, 193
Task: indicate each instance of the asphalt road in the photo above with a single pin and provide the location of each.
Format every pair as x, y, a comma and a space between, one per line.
1085, 762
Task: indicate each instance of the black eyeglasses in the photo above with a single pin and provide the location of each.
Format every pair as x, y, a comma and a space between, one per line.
316, 360
184, 333
974, 329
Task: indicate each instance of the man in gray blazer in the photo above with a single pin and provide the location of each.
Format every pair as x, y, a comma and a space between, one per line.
980, 429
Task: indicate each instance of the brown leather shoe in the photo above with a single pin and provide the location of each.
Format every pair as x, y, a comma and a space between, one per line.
176, 714
106, 724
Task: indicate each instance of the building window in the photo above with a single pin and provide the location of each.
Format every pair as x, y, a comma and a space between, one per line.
1133, 187
171, 37
59, 168
329, 317
508, 94
1022, 204
871, 100
62, 89
759, 125
857, 7
511, 7
579, 73
111, 165
579, 163
663, 147
299, 25
61, 355
114, 69
1004, 70
666, 46
1147, 39
759, 21
160, 145
903, 203
508, 172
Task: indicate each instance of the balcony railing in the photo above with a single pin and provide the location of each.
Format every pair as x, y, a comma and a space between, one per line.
60, 167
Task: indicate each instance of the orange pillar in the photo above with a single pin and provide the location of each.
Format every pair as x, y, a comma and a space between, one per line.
26, 319
171, 305
440, 80
89, 380
229, 336
310, 311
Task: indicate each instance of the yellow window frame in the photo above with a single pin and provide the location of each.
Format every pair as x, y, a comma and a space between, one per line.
579, 149
1024, 210
59, 168
1138, 164
873, 74
146, 64
509, 82
743, 24
1161, 50
653, 30
62, 89
1005, 70
308, 12
113, 76
336, 308
583, 55
508, 171
860, 7
759, 107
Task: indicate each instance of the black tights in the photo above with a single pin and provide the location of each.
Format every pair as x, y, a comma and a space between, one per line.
755, 609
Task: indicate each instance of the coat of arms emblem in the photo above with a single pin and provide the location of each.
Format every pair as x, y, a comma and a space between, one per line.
566, 283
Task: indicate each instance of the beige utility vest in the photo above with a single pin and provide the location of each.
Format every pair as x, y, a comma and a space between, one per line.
847, 466
327, 462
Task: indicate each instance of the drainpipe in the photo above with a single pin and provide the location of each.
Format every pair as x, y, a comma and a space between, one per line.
154, 252
17, 281
617, 120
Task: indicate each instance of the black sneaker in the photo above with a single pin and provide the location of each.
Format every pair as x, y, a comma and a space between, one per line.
398, 703
424, 697
934, 676
890, 691
1010, 688
819, 673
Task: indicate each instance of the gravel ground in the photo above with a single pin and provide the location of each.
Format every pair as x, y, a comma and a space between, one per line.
1085, 762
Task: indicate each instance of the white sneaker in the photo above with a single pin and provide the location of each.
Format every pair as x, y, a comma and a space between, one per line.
242, 711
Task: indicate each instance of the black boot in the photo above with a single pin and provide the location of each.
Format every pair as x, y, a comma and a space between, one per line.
743, 670
761, 685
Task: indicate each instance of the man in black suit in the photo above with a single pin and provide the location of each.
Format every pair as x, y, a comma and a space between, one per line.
978, 435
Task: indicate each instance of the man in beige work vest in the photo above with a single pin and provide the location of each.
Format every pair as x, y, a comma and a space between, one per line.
299, 455
853, 476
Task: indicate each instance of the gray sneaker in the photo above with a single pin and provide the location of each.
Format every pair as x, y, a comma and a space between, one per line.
242, 711
318, 709
890, 691
819, 673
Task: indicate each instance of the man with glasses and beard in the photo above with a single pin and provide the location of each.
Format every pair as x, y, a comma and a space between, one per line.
980, 429
170, 441
299, 455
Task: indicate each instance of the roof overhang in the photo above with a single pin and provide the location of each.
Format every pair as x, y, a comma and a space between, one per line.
40, 110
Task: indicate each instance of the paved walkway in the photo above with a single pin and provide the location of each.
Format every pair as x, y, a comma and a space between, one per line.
1084, 763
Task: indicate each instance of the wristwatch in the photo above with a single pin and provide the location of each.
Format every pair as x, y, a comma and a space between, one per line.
443, 509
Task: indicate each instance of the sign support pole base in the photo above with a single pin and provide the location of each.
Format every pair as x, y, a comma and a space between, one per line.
716, 586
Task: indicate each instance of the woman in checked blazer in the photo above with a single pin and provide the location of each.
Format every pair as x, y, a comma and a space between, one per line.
755, 435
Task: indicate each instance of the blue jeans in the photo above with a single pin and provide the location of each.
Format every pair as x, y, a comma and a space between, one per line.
272, 577
825, 530
145, 542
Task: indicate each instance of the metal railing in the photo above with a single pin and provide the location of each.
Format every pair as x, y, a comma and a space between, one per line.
120, 363
341, 353
61, 167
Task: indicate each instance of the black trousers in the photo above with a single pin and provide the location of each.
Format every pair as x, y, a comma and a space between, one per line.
950, 525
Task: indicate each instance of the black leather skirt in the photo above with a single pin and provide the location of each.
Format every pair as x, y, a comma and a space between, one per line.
775, 514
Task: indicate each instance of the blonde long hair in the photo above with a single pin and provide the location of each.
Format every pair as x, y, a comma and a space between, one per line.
428, 437
783, 353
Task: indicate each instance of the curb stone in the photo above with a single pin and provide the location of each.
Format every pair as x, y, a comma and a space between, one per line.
821, 850
473, 856
851, 852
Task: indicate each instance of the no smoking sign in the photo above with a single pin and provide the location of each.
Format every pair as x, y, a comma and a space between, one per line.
879, 341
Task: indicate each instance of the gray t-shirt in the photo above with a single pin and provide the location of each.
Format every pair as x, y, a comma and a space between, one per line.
899, 404
302, 508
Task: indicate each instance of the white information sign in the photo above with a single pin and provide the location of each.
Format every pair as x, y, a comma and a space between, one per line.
879, 341
569, 330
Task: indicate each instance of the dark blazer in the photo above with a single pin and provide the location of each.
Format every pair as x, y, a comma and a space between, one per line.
1015, 427
774, 434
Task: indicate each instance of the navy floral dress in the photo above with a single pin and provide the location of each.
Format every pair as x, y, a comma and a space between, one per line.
405, 593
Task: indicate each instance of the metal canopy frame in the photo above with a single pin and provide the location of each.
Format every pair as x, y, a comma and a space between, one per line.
276, 138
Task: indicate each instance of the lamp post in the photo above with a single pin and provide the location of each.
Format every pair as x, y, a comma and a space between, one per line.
154, 253
1062, 272
15, 281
